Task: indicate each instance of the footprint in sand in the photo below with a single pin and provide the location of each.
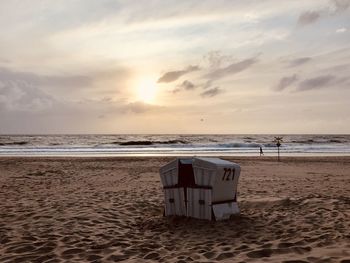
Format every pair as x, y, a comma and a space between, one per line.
260, 253
20, 248
294, 261
152, 255
225, 255
209, 255
46, 248
116, 258
94, 257
71, 252
285, 245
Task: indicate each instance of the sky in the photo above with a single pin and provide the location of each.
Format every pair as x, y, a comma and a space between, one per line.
162, 66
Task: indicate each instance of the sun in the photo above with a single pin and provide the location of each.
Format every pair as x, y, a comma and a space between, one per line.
146, 90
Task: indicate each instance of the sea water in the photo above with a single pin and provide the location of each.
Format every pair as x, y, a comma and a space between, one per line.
172, 145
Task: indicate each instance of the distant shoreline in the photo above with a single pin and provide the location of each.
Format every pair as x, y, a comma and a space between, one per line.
324, 158
166, 155
173, 145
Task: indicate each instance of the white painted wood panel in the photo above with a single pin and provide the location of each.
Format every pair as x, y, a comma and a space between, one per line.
224, 211
175, 202
199, 203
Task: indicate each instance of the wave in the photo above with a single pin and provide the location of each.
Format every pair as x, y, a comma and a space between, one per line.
240, 145
322, 141
335, 141
270, 145
13, 143
131, 143
303, 141
195, 144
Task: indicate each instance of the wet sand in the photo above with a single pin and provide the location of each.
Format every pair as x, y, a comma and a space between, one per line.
110, 210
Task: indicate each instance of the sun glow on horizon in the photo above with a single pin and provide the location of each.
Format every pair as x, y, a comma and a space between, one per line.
146, 90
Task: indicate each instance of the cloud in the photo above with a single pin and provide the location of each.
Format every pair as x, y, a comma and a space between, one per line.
27, 92
207, 84
187, 85
341, 5
176, 90
139, 107
20, 96
232, 69
336, 7
215, 59
299, 61
4, 61
321, 82
8, 76
308, 17
211, 92
341, 30
285, 82
174, 75
94, 82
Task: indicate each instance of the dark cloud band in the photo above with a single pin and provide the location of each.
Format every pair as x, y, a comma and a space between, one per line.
174, 75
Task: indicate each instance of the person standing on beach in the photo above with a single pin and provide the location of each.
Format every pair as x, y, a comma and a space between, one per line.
261, 151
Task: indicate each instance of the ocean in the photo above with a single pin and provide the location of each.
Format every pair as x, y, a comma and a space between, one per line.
173, 145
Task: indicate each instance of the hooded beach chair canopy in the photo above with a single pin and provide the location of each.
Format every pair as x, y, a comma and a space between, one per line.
200, 187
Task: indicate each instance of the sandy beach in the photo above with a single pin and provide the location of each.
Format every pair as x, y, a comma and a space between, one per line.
110, 210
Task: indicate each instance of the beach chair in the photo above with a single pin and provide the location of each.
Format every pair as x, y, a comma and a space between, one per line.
203, 188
